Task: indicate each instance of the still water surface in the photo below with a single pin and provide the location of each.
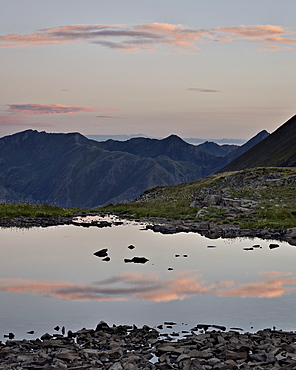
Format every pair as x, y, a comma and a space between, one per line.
50, 276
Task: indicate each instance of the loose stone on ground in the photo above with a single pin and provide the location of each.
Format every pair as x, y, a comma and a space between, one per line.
126, 347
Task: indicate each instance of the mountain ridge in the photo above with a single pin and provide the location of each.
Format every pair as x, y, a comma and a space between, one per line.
276, 150
70, 170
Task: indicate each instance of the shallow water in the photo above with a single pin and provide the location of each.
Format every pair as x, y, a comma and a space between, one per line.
51, 277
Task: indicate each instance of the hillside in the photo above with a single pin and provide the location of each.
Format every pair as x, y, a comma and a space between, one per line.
70, 170
172, 147
253, 198
276, 150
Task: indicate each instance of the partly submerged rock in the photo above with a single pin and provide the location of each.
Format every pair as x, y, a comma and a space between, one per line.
273, 246
136, 260
102, 253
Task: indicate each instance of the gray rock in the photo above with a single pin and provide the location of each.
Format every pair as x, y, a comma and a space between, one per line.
291, 233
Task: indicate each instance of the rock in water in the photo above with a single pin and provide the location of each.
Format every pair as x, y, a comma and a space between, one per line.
102, 253
136, 260
9, 335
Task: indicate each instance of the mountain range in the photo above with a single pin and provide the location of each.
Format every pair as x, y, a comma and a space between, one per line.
190, 140
71, 170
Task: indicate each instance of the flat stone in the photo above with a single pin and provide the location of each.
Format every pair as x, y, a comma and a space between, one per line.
68, 356
116, 366
231, 355
165, 348
183, 357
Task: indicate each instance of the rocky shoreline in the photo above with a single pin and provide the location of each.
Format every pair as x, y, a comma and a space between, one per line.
126, 347
205, 228
213, 231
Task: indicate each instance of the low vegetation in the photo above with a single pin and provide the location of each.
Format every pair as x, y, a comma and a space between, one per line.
34, 210
266, 198
270, 190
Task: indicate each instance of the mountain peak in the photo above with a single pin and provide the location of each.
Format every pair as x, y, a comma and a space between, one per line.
174, 139
276, 150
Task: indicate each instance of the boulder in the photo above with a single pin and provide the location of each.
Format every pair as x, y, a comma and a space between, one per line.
290, 233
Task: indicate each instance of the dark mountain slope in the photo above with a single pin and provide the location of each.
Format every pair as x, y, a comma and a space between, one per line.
276, 150
173, 147
245, 147
207, 156
72, 171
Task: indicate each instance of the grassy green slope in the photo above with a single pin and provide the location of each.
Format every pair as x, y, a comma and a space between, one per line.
271, 190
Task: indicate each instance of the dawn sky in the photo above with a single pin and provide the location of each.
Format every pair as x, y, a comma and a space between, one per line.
195, 68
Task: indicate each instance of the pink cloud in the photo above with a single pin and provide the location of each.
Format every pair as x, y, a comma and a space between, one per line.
48, 109
56, 35
262, 289
275, 274
148, 36
253, 32
136, 285
13, 120
148, 287
275, 48
61, 290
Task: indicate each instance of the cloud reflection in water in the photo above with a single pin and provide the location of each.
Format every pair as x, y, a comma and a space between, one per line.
145, 286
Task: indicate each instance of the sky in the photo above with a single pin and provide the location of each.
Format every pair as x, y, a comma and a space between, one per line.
194, 68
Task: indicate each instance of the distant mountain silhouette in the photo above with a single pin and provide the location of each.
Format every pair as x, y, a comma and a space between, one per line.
276, 150
172, 147
215, 149
70, 170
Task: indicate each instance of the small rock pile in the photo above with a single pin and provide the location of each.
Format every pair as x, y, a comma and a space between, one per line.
130, 348
114, 348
